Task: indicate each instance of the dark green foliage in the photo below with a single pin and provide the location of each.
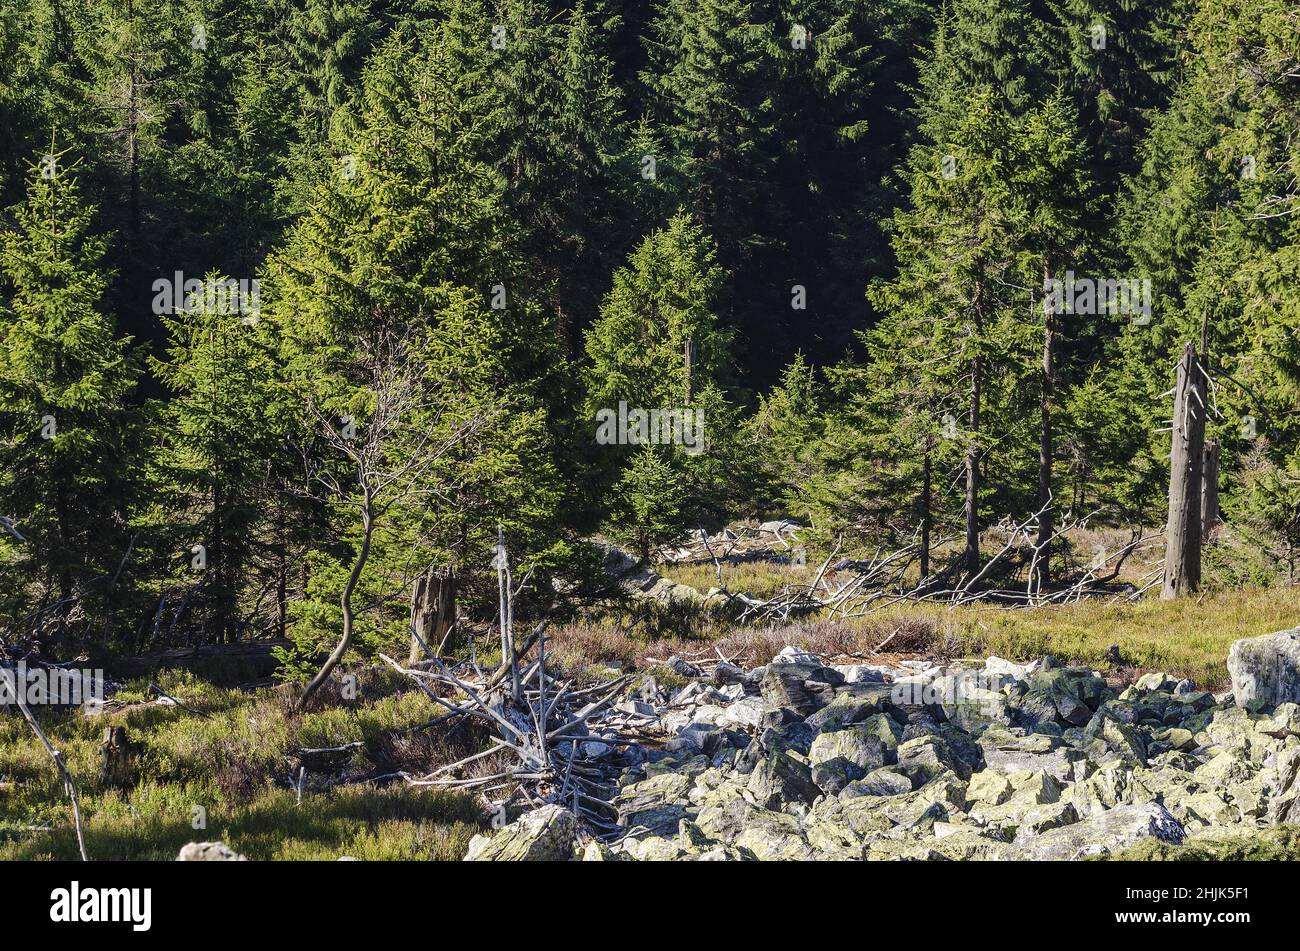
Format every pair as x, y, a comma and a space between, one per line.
839, 214
65, 377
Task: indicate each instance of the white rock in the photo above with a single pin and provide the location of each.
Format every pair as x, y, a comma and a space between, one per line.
1266, 670
208, 852
744, 713
731, 692
780, 526
997, 666
796, 655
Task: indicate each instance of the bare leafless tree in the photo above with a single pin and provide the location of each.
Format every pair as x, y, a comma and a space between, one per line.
390, 457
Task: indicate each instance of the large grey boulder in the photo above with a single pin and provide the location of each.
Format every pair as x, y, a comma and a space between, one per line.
1068, 695
642, 583
656, 804
925, 757
1285, 804
1009, 752
1265, 670
780, 779
803, 688
841, 757
547, 834
1104, 834
879, 782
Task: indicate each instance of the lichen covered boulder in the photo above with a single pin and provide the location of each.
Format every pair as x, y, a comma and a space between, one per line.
1106, 833
547, 834
208, 852
1265, 670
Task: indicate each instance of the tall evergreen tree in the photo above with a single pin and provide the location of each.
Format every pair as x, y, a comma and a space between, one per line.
658, 346
398, 246
992, 209
221, 463
67, 483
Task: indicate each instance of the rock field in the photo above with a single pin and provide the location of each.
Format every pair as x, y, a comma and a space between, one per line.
992, 760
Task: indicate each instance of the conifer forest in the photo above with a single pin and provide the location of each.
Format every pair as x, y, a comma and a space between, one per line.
425, 425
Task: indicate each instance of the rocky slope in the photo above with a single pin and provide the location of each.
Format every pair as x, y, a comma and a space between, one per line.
801, 760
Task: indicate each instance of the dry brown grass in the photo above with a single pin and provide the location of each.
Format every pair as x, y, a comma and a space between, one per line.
1187, 638
579, 646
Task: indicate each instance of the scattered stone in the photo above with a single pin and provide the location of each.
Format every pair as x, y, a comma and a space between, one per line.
862, 673
746, 712
990, 788
725, 674
998, 667
885, 781
927, 756
208, 852
1285, 805
803, 688
773, 836
1155, 681
846, 755
655, 804
779, 779
968, 761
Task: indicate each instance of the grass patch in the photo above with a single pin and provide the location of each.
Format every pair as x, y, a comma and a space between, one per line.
1278, 844
154, 821
759, 578
236, 766
1189, 637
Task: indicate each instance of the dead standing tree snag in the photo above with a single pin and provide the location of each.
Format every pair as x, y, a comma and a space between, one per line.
389, 460
1183, 532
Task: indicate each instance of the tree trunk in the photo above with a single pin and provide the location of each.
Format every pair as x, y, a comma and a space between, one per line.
1183, 531
1045, 520
115, 758
506, 594
688, 363
433, 612
1209, 488
345, 602
973, 461
927, 478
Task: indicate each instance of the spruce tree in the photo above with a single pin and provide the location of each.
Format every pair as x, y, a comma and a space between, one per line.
408, 239
963, 338
658, 346
68, 483
221, 461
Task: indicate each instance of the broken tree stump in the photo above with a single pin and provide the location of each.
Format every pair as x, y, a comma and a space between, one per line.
115, 758
433, 613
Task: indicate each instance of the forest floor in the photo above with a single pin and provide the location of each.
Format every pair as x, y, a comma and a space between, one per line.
229, 774
225, 766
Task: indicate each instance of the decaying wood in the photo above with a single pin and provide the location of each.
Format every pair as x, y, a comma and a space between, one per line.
115, 758
166, 696
1209, 488
61, 765
433, 613
1183, 528
533, 719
